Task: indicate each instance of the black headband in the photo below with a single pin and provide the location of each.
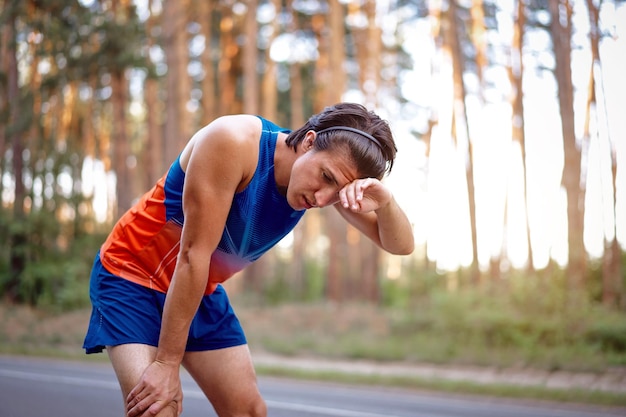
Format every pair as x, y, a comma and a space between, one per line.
352, 129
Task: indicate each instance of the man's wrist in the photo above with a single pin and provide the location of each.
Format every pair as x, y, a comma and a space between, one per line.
385, 207
168, 359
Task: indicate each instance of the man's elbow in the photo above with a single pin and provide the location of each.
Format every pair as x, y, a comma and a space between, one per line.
405, 248
408, 250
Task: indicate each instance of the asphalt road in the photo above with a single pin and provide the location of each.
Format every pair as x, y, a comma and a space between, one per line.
31, 387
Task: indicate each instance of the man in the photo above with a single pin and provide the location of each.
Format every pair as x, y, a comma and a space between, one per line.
238, 187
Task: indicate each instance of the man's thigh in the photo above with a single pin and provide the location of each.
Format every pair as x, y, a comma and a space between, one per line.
129, 362
227, 378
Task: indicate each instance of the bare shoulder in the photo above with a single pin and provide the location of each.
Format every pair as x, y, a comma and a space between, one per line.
234, 138
240, 129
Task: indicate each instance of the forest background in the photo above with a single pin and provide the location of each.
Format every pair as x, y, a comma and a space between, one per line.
509, 119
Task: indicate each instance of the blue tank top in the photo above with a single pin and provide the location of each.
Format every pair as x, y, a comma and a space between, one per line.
144, 244
260, 215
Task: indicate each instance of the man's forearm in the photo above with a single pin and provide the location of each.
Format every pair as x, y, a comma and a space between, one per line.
394, 229
181, 304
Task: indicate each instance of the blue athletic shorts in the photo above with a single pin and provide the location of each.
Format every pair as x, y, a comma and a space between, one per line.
124, 312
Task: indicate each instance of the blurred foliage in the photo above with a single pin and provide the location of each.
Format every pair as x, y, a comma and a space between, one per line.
56, 275
49, 232
524, 321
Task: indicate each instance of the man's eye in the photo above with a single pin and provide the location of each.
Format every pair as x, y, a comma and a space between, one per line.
327, 178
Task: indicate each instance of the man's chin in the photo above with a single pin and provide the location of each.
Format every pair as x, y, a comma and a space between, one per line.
296, 207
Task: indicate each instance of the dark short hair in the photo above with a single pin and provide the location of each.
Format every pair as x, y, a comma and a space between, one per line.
372, 159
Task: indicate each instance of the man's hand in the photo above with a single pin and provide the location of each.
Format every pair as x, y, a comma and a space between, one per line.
158, 387
364, 195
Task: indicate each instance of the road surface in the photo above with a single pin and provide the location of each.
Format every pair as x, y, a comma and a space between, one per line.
31, 387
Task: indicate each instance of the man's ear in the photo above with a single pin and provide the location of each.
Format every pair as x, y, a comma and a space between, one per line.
309, 139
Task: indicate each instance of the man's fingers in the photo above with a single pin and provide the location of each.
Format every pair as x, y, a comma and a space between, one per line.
136, 405
144, 408
349, 196
154, 409
147, 408
134, 396
134, 410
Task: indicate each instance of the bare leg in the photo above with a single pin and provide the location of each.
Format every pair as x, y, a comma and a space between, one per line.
227, 378
129, 362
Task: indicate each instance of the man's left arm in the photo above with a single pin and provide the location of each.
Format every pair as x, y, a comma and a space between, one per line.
369, 206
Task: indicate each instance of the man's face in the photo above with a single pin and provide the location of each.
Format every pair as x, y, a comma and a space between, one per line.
318, 176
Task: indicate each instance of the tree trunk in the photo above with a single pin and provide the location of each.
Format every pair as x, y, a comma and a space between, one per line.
370, 266
516, 73
337, 54
154, 163
205, 9
612, 284
226, 71
269, 92
121, 146
296, 96
461, 128
336, 232
561, 11
5, 39
18, 239
121, 141
372, 84
478, 35
177, 120
296, 93
249, 61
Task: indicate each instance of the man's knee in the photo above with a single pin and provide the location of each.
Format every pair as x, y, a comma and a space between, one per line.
170, 410
258, 408
254, 407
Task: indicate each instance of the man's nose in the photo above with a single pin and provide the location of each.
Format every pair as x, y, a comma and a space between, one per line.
326, 197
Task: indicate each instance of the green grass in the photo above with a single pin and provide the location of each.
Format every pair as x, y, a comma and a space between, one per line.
446, 329
575, 396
